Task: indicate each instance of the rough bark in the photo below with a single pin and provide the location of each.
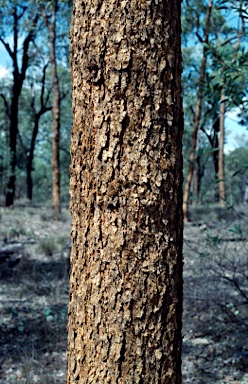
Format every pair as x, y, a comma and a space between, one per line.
197, 118
221, 170
126, 180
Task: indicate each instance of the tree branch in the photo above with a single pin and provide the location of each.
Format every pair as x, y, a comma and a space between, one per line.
234, 281
43, 82
26, 43
8, 49
5, 104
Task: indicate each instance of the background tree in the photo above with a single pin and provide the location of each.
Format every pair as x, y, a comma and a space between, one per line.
197, 113
30, 113
13, 14
223, 76
126, 180
222, 73
50, 21
37, 113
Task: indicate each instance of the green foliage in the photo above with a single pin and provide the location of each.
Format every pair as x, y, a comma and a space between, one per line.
237, 172
35, 97
227, 68
17, 230
48, 246
226, 72
52, 314
46, 216
212, 241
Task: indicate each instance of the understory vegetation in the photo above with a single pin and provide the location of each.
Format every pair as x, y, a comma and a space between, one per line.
34, 296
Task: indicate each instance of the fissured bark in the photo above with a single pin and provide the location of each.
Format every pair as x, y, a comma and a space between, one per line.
126, 193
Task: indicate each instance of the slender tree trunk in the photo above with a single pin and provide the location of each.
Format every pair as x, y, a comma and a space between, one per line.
215, 147
29, 181
18, 79
215, 154
214, 142
126, 193
195, 178
10, 195
4, 153
198, 175
36, 116
30, 158
197, 118
56, 202
221, 170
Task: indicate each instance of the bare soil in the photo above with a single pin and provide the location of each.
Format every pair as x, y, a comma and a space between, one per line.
34, 295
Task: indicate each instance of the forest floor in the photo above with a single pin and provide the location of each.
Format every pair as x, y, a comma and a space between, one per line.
34, 296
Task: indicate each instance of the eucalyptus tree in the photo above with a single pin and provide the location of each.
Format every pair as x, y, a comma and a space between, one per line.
126, 193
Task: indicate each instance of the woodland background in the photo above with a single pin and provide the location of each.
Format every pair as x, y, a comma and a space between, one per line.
36, 116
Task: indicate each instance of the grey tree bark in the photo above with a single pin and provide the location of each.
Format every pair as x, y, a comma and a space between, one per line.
126, 193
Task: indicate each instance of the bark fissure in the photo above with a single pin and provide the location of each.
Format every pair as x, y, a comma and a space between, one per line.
126, 179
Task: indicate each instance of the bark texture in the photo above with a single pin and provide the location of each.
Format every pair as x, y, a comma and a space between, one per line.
126, 193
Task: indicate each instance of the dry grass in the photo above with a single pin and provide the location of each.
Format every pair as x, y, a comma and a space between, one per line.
34, 294
34, 298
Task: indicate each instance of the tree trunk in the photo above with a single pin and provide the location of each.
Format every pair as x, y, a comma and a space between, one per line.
215, 146
221, 170
197, 117
10, 195
56, 203
126, 193
30, 158
18, 79
198, 175
36, 116
195, 179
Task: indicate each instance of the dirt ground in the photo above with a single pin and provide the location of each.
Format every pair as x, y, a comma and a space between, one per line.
34, 295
